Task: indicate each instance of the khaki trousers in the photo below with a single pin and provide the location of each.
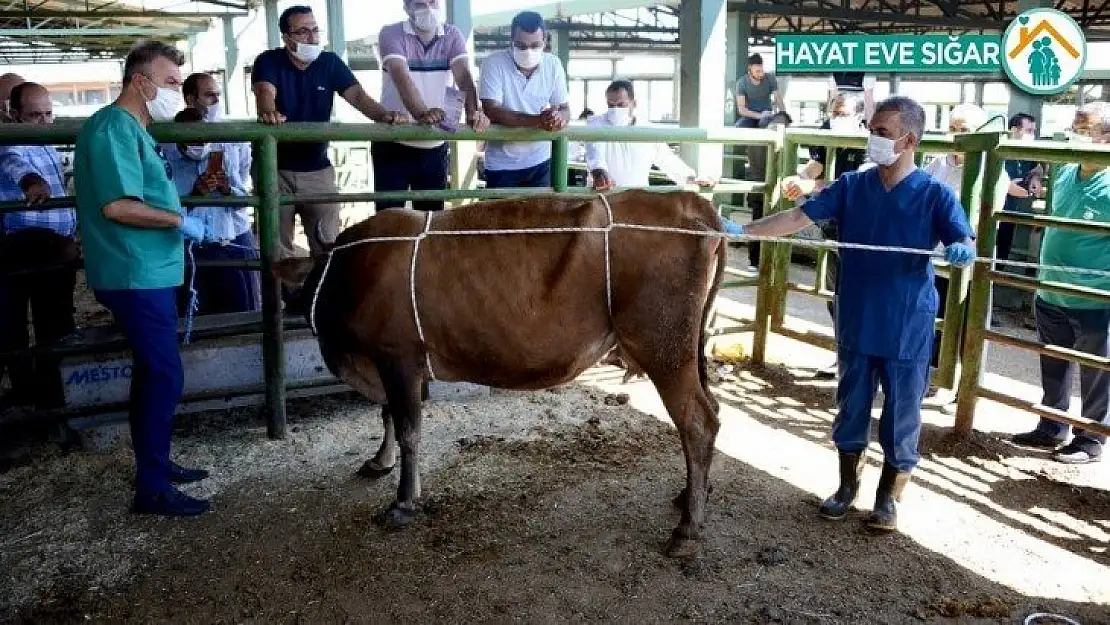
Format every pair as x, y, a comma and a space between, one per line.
322, 215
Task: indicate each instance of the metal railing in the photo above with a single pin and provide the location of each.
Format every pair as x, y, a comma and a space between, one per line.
268, 201
968, 290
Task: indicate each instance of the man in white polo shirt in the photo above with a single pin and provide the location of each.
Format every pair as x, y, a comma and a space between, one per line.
421, 58
629, 164
523, 87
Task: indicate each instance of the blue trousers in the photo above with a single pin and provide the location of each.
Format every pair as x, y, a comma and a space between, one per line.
399, 167
1086, 330
148, 320
223, 289
904, 385
538, 176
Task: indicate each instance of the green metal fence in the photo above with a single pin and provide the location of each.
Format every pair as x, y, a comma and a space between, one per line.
268, 202
772, 280
984, 276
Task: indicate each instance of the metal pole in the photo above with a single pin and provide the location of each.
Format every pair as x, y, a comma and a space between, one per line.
559, 152
979, 309
273, 32
764, 292
273, 344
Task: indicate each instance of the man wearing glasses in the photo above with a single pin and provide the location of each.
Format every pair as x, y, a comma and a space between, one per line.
297, 83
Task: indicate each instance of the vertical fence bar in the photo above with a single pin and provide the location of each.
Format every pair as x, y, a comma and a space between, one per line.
764, 290
273, 344
979, 311
974, 191
781, 251
559, 164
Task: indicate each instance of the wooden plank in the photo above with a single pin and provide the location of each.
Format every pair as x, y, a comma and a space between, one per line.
1052, 414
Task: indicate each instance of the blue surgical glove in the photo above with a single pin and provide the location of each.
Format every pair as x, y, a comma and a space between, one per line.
731, 227
959, 254
192, 227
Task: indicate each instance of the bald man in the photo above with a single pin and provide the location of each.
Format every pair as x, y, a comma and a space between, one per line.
35, 239
7, 82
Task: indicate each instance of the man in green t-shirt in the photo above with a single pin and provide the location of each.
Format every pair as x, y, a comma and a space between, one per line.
131, 226
1078, 192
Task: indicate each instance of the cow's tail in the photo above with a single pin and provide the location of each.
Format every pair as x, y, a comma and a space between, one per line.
710, 300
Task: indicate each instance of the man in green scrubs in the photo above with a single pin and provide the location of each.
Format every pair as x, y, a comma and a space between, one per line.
132, 229
1080, 192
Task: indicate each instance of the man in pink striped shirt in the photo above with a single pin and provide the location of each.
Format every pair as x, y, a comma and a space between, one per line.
423, 61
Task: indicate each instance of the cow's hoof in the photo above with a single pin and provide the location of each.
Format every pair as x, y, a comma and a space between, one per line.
396, 517
680, 546
372, 471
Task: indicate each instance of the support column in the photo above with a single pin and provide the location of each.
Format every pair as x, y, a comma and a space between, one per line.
702, 68
895, 84
980, 87
739, 30
464, 163
273, 32
560, 47
235, 85
337, 39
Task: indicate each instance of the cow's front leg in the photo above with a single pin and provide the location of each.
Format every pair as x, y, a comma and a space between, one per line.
382, 463
403, 387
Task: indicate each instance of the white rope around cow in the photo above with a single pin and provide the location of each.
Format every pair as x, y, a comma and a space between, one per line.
412, 294
829, 245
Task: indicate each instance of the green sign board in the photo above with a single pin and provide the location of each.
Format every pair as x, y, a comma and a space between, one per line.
888, 53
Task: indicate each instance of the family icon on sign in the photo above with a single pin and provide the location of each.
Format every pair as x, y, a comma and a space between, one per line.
1045, 51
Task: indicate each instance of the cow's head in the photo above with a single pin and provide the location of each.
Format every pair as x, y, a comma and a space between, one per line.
298, 276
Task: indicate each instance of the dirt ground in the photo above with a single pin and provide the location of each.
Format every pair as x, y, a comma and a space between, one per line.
542, 507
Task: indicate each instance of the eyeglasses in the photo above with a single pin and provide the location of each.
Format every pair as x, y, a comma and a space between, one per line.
302, 33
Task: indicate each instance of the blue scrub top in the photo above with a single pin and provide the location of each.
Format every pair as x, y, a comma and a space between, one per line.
886, 301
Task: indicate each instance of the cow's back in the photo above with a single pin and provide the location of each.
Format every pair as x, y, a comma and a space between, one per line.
527, 309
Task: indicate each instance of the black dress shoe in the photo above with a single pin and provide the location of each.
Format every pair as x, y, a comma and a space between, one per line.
1037, 438
169, 503
181, 475
1079, 451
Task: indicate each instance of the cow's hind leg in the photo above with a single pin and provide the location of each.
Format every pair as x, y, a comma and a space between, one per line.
695, 416
382, 463
403, 385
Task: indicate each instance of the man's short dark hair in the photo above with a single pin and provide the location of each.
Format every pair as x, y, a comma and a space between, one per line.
909, 112
755, 59
622, 85
143, 54
15, 99
1018, 120
191, 86
188, 114
527, 21
287, 16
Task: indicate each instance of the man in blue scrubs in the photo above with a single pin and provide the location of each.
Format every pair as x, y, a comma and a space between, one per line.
886, 301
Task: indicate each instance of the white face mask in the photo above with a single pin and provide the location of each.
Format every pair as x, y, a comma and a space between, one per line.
527, 59
166, 103
213, 112
844, 124
197, 152
881, 150
307, 52
426, 20
1029, 137
619, 116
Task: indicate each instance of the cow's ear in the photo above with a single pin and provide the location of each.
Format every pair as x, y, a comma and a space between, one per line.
293, 270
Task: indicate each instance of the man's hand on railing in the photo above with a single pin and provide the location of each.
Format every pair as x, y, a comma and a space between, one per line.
551, 120
395, 118
271, 118
704, 182
35, 189
478, 122
602, 181
431, 116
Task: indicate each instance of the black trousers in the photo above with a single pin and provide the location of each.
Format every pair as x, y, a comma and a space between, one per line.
399, 167
48, 294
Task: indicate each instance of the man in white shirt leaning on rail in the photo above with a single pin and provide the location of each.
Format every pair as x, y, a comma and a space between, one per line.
628, 164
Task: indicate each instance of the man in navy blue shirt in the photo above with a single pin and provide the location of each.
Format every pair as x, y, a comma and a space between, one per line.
298, 83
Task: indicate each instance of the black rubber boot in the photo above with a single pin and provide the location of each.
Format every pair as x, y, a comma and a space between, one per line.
851, 469
891, 484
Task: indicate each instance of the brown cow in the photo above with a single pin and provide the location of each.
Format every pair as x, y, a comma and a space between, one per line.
523, 311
